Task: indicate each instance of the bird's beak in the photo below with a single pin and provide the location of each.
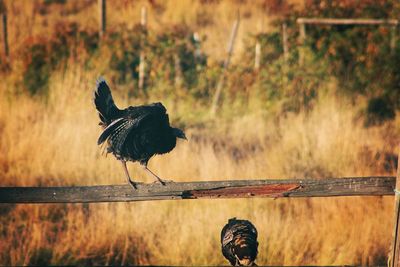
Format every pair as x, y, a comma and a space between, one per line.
179, 133
246, 262
182, 136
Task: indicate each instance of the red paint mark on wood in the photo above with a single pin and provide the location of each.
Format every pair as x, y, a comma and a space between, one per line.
249, 191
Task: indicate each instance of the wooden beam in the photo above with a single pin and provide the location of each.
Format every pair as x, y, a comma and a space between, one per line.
395, 252
142, 57
257, 57
178, 81
102, 17
5, 36
302, 38
356, 186
332, 21
143, 16
227, 61
285, 42
3, 14
393, 39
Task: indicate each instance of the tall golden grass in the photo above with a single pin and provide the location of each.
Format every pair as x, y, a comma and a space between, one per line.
53, 142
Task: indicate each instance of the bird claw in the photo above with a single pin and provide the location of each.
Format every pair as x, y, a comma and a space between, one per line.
163, 182
133, 184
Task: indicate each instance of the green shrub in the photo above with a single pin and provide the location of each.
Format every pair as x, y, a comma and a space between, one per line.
359, 56
42, 55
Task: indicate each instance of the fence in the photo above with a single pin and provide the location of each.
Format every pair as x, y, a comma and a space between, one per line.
332, 187
354, 186
351, 186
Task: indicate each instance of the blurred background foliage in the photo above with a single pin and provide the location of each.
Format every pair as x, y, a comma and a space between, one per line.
333, 116
359, 58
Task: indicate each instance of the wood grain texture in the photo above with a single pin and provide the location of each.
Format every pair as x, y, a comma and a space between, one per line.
394, 257
353, 186
331, 21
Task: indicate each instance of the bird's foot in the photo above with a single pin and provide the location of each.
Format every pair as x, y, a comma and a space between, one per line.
133, 184
163, 182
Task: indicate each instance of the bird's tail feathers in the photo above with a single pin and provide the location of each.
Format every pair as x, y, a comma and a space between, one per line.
104, 102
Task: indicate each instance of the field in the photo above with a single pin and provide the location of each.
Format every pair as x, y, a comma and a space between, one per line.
50, 139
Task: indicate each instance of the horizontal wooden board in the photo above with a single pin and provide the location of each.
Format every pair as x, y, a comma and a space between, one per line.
273, 188
332, 21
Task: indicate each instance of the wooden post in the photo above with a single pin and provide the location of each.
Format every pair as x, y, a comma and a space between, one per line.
393, 37
3, 13
395, 253
178, 70
142, 63
257, 55
226, 64
102, 17
5, 36
232, 39
257, 49
285, 67
285, 42
330, 21
302, 42
143, 17
197, 43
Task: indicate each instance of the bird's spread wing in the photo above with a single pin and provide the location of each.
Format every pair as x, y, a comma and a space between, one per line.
140, 119
119, 129
118, 136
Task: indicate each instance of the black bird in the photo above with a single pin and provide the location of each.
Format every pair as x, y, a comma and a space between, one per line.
135, 133
239, 242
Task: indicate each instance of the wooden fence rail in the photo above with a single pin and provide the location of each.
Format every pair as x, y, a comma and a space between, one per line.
331, 21
102, 17
354, 186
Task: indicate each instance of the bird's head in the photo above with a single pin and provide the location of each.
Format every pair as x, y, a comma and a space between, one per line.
246, 262
179, 133
245, 250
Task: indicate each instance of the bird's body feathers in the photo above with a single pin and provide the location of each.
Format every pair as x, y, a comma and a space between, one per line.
135, 133
239, 242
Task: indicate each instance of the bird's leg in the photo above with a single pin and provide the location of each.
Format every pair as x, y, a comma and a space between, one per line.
153, 174
132, 183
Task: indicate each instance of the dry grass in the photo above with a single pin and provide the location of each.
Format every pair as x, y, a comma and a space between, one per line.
54, 143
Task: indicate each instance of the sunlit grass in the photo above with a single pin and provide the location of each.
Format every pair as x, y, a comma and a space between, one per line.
53, 142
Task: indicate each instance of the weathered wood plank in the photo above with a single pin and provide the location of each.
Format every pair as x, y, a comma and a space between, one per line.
102, 17
227, 61
395, 249
356, 186
142, 57
331, 21
285, 42
302, 38
5, 36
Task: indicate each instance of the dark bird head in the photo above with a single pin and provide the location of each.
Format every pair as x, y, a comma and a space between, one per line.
239, 242
179, 133
245, 252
